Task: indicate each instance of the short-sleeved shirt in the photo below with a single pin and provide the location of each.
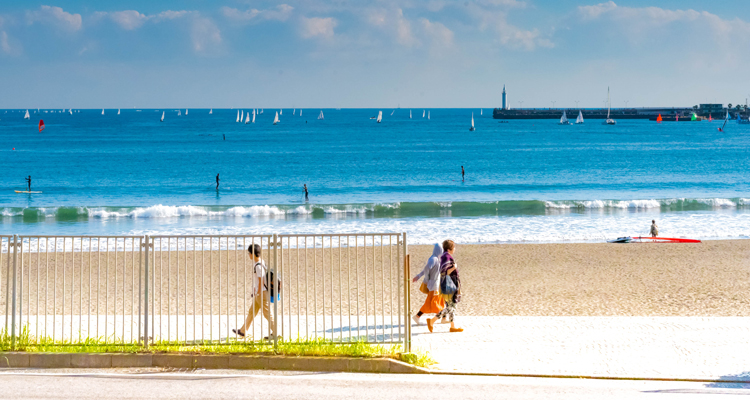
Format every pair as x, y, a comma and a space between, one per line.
259, 271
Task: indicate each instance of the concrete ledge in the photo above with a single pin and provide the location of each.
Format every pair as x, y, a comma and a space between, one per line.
221, 361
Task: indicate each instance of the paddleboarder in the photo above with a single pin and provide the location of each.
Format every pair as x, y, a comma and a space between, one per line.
654, 229
306, 198
463, 173
217, 181
28, 181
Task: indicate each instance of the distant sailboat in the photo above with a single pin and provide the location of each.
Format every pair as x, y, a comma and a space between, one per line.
422, 113
26, 116
253, 121
118, 111
186, 111
179, 113
247, 118
281, 111
472, 123
162, 116
300, 113
242, 115
725, 122
294, 110
579, 120
261, 111
564, 119
238, 116
320, 116
428, 115
70, 111
102, 111
393, 112
409, 114
211, 111
276, 119
658, 119
480, 111
609, 121
380, 116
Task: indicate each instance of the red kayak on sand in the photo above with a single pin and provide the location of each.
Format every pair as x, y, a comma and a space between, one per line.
665, 240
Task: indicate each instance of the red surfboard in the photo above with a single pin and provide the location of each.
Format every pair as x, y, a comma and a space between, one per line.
41, 125
666, 240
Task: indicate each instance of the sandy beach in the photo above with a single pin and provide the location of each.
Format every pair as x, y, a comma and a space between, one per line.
578, 279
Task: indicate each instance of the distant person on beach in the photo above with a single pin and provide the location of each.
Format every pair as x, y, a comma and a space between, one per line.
431, 285
217, 181
463, 173
306, 193
261, 297
28, 182
654, 229
448, 275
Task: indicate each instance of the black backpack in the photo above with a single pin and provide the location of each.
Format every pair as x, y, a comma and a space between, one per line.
274, 284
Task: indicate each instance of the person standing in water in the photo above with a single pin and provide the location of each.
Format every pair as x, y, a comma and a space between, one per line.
306, 193
28, 181
654, 229
217, 181
463, 173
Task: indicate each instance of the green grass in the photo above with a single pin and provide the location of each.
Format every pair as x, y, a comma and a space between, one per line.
314, 348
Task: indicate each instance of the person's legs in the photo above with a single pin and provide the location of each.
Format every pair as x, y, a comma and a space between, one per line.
267, 312
254, 308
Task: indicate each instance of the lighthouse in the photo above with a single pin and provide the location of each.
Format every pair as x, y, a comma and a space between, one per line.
505, 102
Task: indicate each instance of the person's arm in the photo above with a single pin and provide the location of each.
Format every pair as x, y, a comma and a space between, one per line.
260, 288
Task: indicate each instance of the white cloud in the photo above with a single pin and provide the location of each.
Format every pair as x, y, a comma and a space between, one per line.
280, 13
132, 19
205, 36
509, 35
317, 27
55, 16
393, 22
4, 45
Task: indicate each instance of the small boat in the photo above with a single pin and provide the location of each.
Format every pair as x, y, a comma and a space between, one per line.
238, 116
725, 122
261, 111
649, 239
380, 116
472, 123
253, 121
281, 111
247, 118
294, 110
242, 115
102, 111
609, 121
428, 115
186, 111
579, 120
41, 125
300, 113
422, 113
709, 118
162, 116
658, 119
276, 119
25, 191
393, 112
211, 111
179, 113
118, 111
70, 111
320, 116
480, 111
409, 114
26, 116
564, 119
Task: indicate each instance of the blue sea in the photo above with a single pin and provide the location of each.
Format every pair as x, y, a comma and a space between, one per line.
526, 181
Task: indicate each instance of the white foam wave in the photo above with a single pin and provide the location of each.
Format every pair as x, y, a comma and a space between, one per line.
603, 204
718, 203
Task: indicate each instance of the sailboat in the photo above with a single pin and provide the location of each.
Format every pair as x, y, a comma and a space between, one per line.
238, 116
428, 115
380, 116
261, 111
276, 119
725, 122
579, 120
422, 113
472, 123
294, 110
179, 113
393, 112
320, 116
564, 119
118, 111
162, 116
70, 111
186, 111
247, 118
281, 112
253, 121
102, 111
242, 115
480, 111
211, 111
300, 113
26, 116
658, 119
609, 121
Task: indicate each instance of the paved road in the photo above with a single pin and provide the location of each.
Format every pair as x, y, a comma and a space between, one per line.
155, 383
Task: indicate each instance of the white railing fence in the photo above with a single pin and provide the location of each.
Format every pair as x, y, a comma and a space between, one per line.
198, 289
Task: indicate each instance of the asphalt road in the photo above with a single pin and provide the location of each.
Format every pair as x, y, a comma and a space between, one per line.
222, 384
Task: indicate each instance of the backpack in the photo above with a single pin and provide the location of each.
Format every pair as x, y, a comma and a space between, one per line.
272, 285
447, 286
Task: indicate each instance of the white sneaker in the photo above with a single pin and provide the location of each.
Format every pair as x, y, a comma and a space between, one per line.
415, 319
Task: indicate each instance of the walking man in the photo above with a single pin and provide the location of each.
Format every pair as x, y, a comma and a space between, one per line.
654, 229
28, 181
261, 297
217, 181
306, 198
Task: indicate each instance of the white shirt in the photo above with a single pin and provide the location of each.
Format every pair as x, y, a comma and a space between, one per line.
259, 271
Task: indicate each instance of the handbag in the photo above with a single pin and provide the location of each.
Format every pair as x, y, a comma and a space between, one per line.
447, 286
423, 288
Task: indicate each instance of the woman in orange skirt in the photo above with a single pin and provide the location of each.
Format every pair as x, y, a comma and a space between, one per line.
431, 285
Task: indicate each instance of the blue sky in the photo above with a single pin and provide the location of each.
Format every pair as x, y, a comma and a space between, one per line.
370, 53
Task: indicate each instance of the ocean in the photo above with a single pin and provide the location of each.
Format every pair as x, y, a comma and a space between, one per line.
526, 181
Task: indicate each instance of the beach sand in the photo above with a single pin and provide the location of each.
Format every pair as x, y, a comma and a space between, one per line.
572, 279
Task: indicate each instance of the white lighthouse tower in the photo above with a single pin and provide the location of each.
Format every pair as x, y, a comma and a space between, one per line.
505, 99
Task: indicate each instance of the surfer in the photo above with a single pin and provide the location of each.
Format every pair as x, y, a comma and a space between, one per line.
28, 181
217, 181
654, 229
463, 173
306, 193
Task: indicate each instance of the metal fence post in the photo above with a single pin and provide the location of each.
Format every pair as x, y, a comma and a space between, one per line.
407, 297
13, 296
147, 244
275, 303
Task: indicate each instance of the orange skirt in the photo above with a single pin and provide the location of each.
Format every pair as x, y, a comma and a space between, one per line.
433, 304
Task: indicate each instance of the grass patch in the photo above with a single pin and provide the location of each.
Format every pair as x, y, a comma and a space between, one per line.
313, 348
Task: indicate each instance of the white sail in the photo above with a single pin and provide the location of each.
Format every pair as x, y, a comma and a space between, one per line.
472, 122
564, 119
422, 113
118, 111
242, 115
300, 113
253, 121
579, 120
26, 116
261, 111
238, 116
281, 112
211, 111
70, 110
393, 112
609, 120
102, 111
480, 111
162, 116
247, 118
380, 116
409, 114
428, 115
276, 119
321, 115
294, 110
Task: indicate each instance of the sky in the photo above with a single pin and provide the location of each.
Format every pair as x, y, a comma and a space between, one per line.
372, 53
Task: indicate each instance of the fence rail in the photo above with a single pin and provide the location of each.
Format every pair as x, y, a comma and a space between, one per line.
199, 288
